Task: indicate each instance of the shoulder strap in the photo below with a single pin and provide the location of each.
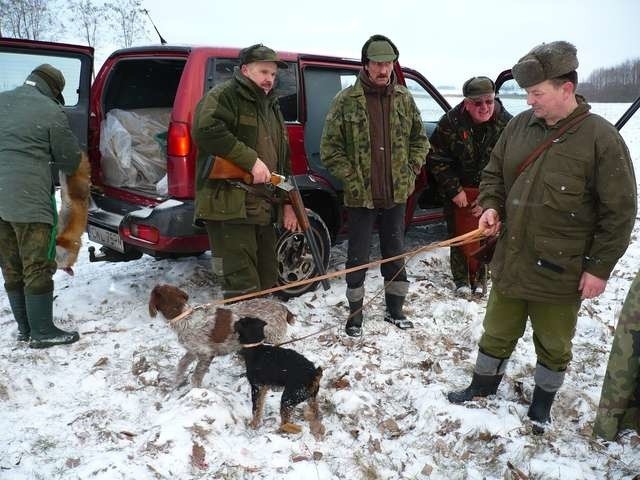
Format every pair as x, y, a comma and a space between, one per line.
547, 143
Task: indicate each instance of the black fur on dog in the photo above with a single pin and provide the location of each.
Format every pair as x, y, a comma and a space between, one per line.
269, 366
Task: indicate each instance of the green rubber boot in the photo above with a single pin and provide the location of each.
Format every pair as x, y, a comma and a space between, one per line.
44, 333
19, 309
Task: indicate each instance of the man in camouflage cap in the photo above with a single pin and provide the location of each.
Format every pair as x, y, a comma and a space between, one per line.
34, 134
240, 120
462, 143
374, 142
619, 407
564, 221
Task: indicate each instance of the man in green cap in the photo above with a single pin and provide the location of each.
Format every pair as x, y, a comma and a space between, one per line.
563, 222
462, 144
374, 142
34, 134
240, 120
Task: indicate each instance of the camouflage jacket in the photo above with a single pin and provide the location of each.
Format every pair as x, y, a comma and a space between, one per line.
619, 407
226, 123
570, 211
345, 147
35, 135
462, 149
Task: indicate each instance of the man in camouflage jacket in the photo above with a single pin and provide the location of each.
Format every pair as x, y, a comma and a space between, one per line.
240, 120
619, 407
462, 144
374, 142
34, 136
564, 222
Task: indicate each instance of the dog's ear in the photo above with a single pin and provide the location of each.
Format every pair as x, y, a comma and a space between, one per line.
153, 301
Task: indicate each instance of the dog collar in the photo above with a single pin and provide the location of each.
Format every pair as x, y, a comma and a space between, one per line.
250, 345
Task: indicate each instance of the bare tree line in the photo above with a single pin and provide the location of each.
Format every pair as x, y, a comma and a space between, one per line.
93, 22
620, 83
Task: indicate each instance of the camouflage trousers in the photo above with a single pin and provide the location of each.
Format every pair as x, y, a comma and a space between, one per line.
244, 256
553, 328
27, 257
619, 407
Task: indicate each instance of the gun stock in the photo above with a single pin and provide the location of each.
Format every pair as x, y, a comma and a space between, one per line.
224, 169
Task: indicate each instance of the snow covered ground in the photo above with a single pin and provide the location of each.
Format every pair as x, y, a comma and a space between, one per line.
105, 407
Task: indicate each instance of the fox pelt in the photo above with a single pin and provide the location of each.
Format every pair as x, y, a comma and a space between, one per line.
74, 209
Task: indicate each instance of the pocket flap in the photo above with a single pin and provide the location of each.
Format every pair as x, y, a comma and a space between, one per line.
565, 184
556, 248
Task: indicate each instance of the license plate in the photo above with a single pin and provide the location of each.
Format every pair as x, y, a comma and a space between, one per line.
105, 237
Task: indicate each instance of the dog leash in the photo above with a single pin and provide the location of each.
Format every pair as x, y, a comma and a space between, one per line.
460, 240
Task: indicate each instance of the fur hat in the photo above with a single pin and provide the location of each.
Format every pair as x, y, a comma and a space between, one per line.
379, 49
544, 62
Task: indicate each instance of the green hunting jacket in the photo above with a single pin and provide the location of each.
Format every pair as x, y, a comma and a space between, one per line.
345, 147
571, 211
226, 123
35, 137
619, 407
461, 149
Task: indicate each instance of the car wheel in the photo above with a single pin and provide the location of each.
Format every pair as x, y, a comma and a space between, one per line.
295, 261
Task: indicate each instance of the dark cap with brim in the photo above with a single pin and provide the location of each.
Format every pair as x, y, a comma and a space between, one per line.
53, 78
381, 51
477, 87
260, 53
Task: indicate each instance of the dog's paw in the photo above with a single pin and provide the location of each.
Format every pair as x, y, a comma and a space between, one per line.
290, 428
317, 430
254, 424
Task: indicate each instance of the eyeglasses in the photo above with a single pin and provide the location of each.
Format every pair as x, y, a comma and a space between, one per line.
479, 103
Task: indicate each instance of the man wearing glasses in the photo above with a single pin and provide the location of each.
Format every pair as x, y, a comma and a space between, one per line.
462, 144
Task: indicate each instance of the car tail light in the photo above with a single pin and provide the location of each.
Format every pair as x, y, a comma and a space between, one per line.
147, 233
178, 139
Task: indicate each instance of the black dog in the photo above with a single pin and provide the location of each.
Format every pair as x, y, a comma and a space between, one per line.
269, 366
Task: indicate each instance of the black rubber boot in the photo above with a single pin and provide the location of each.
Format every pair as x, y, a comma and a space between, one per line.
540, 409
394, 312
44, 333
481, 386
354, 323
19, 309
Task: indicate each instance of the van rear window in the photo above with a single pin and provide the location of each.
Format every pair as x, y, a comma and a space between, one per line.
221, 69
143, 83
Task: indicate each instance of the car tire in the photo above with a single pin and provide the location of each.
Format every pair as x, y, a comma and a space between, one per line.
295, 261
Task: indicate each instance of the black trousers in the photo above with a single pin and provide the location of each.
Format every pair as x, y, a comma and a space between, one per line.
391, 234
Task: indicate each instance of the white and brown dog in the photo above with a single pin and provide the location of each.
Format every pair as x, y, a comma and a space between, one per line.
209, 332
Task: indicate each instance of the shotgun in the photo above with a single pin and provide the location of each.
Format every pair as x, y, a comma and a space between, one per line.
223, 169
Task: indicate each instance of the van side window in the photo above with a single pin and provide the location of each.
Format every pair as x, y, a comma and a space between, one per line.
321, 86
15, 68
513, 97
220, 70
430, 109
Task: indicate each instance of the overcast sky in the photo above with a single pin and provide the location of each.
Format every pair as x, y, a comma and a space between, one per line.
447, 40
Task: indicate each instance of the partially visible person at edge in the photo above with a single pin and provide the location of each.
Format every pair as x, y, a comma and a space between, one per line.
619, 408
35, 136
462, 144
240, 120
564, 222
374, 142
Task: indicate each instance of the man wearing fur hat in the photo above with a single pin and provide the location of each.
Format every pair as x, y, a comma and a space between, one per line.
34, 134
374, 142
564, 218
462, 144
